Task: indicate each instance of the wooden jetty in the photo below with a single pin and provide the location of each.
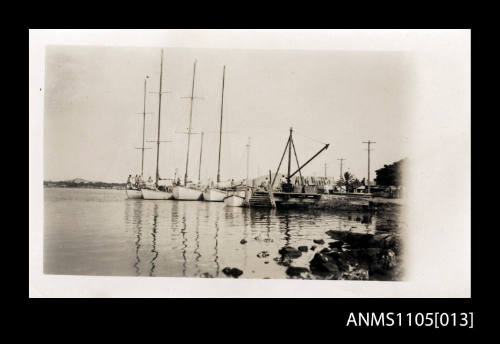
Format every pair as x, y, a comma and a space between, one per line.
263, 199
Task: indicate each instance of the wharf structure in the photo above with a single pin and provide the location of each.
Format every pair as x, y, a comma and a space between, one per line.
290, 195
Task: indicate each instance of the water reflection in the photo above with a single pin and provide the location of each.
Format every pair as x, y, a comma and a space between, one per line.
193, 238
216, 251
138, 216
197, 241
184, 243
153, 235
245, 235
286, 225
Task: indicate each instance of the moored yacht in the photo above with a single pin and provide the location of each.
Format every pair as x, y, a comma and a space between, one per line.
189, 191
217, 194
234, 200
134, 191
185, 193
156, 191
238, 195
133, 194
156, 194
214, 195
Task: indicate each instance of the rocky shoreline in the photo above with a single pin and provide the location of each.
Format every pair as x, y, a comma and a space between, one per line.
358, 202
347, 254
350, 256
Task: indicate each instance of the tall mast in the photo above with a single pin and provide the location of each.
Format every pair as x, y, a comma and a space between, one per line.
201, 151
248, 160
143, 126
189, 128
143, 113
159, 118
220, 128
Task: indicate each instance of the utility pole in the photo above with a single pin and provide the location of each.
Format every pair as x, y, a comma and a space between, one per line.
341, 160
368, 142
325, 171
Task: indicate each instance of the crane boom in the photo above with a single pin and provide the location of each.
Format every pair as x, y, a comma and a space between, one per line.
308, 161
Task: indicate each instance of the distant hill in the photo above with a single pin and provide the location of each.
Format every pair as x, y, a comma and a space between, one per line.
79, 181
82, 183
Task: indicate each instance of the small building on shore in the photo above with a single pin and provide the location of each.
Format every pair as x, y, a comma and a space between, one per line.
361, 189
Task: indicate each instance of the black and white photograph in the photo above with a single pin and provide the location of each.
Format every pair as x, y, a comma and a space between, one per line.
243, 163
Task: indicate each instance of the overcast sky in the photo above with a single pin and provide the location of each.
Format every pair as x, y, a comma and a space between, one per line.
93, 96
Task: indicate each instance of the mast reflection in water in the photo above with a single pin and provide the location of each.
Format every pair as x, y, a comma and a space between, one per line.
153, 236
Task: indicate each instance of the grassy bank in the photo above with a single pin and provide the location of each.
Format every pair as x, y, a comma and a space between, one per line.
358, 202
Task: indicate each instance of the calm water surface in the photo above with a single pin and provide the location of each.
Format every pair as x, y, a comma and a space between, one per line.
100, 232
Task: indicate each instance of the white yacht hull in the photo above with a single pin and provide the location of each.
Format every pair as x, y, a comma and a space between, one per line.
156, 194
234, 201
214, 195
133, 194
182, 193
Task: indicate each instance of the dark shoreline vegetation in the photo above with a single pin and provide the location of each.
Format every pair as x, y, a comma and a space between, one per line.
80, 183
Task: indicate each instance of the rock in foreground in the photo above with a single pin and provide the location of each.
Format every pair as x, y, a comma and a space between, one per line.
325, 266
290, 252
359, 256
234, 272
263, 254
296, 271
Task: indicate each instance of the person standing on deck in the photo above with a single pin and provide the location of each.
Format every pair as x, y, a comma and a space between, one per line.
129, 184
149, 183
282, 181
266, 184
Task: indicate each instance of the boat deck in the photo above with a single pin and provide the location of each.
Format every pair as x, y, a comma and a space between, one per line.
262, 199
296, 194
